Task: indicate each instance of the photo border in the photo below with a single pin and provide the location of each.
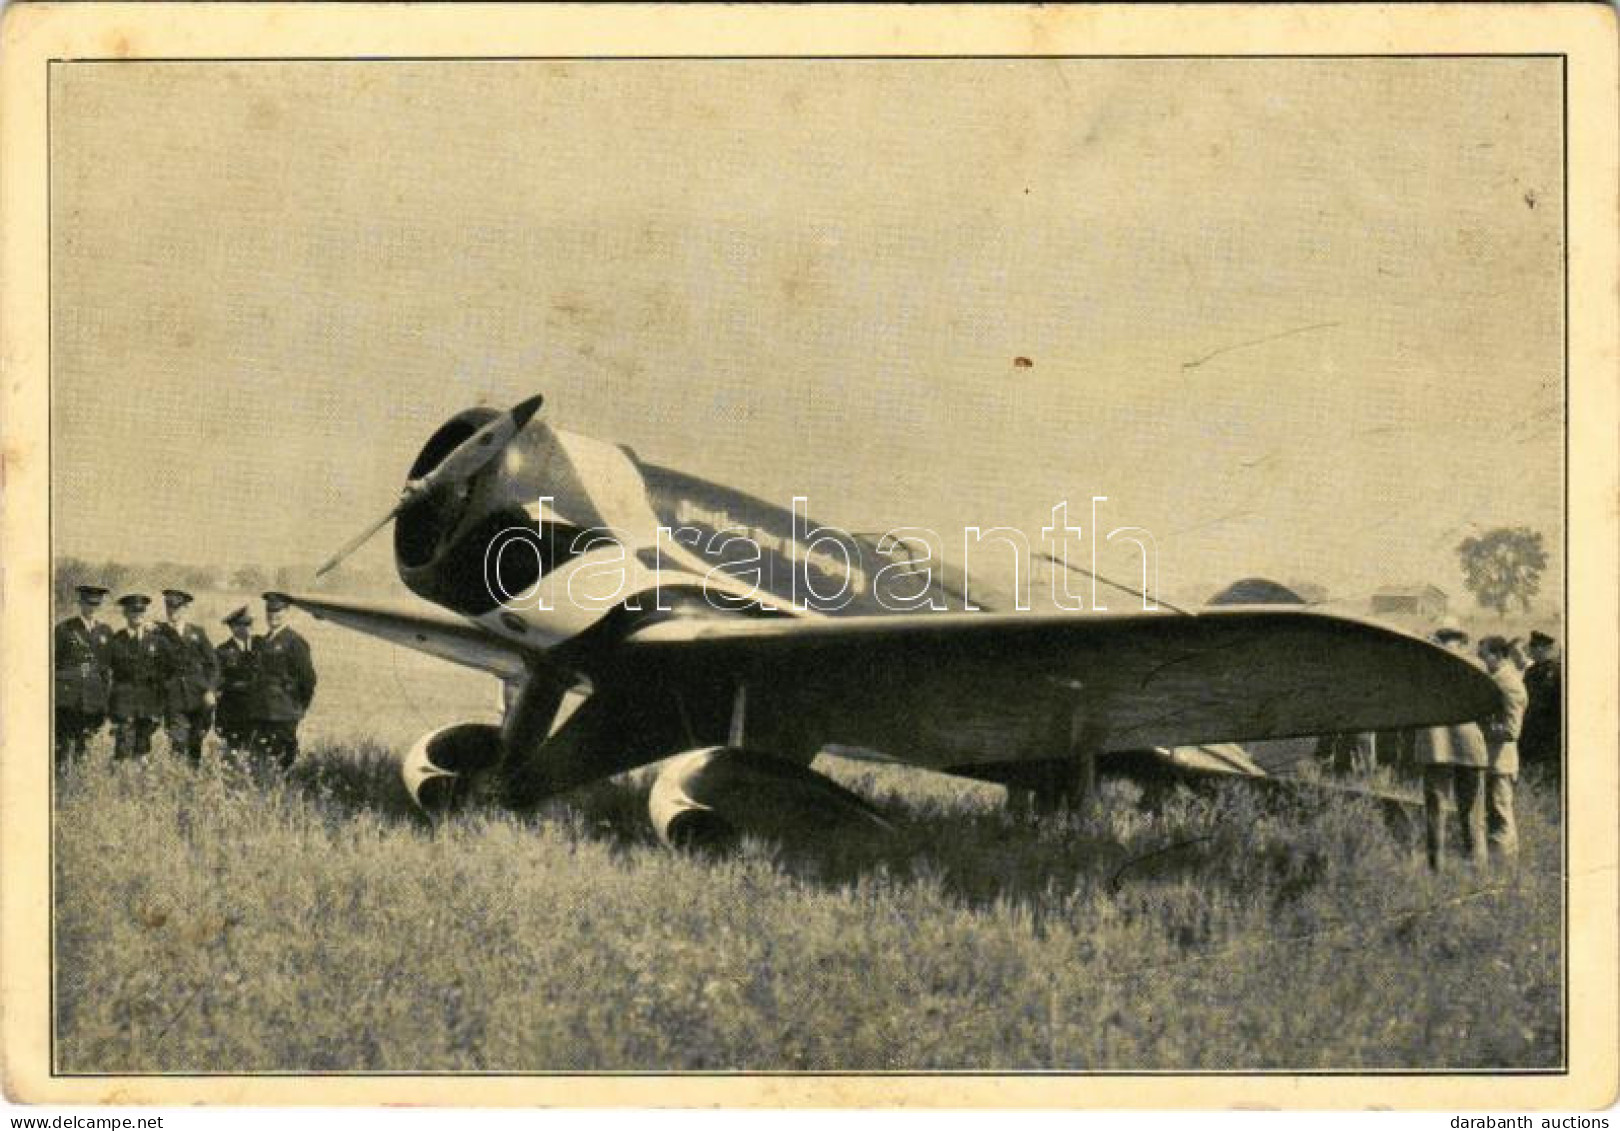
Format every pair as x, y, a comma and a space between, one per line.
37, 38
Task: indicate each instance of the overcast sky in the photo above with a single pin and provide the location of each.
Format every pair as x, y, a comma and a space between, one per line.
1297, 318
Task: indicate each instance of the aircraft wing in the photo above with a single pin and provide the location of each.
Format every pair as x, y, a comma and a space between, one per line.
953, 689
426, 629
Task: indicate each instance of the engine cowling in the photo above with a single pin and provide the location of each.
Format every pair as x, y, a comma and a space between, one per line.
448, 766
712, 797
459, 507
440, 541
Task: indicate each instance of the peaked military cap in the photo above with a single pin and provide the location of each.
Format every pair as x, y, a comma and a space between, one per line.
1450, 632
1539, 639
240, 616
1495, 645
177, 597
134, 600
93, 594
275, 601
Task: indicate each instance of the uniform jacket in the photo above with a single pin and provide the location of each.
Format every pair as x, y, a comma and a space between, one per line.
140, 672
286, 676
1502, 729
1543, 718
82, 676
193, 667
1460, 745
238, 681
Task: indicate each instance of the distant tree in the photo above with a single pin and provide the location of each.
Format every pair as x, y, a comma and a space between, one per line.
181, 575
289, 578
164, 573
346, 578
70, 574
116, 576
249, 579
335, 580
199, 577
1502, 566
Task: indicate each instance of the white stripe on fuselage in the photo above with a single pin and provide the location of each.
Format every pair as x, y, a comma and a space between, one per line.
595, 485
584, 589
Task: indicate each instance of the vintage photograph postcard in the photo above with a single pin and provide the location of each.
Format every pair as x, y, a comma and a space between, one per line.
847, 556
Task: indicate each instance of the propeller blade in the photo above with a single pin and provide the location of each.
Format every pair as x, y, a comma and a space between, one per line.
359, 540
471, 455
467, 459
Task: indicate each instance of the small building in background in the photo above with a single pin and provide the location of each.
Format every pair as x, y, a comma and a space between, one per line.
1427, 602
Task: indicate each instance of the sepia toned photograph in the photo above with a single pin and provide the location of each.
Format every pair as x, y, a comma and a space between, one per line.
1029, 564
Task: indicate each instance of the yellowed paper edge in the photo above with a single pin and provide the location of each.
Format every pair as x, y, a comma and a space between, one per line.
1586, 34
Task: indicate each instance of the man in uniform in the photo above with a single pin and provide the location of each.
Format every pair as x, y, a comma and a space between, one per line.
139, 659
193, 677
1502, 747
1542, 741
238, 677
79, 646
1454, 760
1519, 654
286, 684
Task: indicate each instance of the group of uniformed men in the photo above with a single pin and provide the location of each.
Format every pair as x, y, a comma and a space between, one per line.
252, 689
1473, 767
1476, 765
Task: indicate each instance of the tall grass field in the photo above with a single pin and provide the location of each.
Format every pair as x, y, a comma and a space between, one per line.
209, 923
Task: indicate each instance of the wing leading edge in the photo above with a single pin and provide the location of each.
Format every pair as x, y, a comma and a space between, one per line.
425, 629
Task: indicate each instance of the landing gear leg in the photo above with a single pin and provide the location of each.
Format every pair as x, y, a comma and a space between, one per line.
739, 717
1070, 783
1070, 787
1083, 747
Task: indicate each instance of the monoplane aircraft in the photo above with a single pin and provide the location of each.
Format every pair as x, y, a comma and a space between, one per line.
636, 614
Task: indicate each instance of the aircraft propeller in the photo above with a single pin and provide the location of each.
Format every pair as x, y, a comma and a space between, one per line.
467, 459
